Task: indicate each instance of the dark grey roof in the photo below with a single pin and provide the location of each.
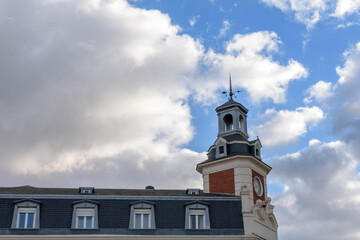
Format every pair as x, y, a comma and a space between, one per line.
229, 104
235, 137
56, 211
247, 148
101, 191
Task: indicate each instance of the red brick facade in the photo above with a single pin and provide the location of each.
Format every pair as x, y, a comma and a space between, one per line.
256, 197
222, 182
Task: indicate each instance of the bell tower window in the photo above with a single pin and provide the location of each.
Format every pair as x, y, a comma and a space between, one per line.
228, 119
241, 123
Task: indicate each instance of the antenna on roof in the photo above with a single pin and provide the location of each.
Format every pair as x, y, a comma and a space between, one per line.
230, 92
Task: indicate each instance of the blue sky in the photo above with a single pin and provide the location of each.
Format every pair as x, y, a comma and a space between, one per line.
129, 88
317, 50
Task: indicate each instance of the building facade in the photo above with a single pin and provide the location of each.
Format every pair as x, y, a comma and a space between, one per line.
232, 205
234, 166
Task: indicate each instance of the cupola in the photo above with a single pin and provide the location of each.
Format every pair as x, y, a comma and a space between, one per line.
232, 117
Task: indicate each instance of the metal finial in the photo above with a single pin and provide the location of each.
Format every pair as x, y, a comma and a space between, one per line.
230, 92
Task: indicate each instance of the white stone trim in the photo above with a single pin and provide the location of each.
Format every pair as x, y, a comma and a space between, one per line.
117, 237
231, 142
233, 162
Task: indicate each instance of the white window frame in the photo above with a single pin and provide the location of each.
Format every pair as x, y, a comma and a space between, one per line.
197, 208
26, 206
142, 207
197, 213
26, 210
86, 213
88, 205
256, 178
142, 212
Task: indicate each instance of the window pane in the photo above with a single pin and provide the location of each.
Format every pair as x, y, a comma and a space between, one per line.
22, 220
137, 220
30, 220
193, 221
201, 221
146, 221
80, 222
89, 222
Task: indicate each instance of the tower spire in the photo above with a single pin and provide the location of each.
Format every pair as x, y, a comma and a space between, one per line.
230, 92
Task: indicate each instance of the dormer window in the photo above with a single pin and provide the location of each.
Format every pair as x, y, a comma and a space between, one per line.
257, 151
85, 215
26, 214
221, 149
142, 218
85, 218
228, 119
196, 220
193, 191
197, 215
26, 218
86, 190
142, 215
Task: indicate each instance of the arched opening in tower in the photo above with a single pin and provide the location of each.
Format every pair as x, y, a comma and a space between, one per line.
242, 123
228, 119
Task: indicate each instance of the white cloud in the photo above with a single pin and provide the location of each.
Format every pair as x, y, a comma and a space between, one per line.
314, 142
322, 183
281, 4
90, 86
193, 20
350, 72
249, 59
345, 25
93, 85
346, 7
322, 180
321, 91
346, 113
282, 127
254, 43
224, 30
308, 12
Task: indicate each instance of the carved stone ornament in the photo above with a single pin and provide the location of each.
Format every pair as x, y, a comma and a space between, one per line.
244, 187
263, 211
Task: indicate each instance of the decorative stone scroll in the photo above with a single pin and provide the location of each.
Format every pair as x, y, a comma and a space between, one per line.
263, 211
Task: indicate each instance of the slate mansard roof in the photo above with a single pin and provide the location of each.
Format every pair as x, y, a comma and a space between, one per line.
236, 145
56, 211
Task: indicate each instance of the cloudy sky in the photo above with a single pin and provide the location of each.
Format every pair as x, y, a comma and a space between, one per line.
122, 94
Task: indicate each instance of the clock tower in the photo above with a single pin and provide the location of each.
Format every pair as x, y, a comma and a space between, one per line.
234, 166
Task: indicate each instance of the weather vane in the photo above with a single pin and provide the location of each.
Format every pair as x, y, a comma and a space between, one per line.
230, 92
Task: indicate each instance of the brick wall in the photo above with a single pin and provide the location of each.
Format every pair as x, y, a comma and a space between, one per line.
222, 182
256, 197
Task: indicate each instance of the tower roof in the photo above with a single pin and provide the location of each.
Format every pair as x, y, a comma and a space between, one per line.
231, 103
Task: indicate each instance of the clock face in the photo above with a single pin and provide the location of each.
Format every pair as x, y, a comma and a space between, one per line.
258, 186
